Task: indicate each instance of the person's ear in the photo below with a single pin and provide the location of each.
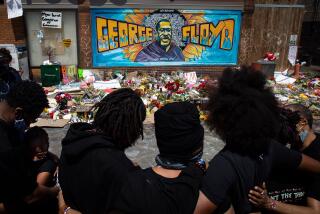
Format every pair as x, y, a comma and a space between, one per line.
19, 113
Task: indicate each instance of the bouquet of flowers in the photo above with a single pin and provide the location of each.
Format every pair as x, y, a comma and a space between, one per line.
62, 100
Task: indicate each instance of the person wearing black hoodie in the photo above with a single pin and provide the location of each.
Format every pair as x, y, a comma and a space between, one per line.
171, 187
93, 162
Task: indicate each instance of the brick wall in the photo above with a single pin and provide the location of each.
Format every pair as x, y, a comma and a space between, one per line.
84, 30
12, 31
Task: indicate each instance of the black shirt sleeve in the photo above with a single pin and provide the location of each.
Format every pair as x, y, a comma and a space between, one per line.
313, 186
284, 158
218, 179
48, 166
313, 189
16, 182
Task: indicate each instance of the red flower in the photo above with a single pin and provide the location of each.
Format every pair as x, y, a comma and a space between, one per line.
270, 56
180, 92
172, 86
62, 97
156, 103
317, 92
201, 86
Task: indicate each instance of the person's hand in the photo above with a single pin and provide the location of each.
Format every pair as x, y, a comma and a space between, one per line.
63, 208
259, 196
55, 191
61, 203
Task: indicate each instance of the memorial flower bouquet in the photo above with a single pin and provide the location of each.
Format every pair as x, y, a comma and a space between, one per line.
62, 100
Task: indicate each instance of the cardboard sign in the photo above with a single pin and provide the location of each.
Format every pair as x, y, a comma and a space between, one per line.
51, 19
50, 123
69, 73
191, 77
67, 43
102, 85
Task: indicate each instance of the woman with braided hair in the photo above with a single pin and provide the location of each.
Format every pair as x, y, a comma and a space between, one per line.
93, 162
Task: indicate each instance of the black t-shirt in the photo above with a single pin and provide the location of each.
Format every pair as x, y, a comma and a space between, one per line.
293, 186
15, 180
48, 205
45, 165
230, 176
147, 192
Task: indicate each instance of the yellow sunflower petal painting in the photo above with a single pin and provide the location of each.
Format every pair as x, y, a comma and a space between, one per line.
142, 37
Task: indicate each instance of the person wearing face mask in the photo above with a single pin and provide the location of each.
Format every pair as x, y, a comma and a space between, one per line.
245, 114
24, 102
293, 192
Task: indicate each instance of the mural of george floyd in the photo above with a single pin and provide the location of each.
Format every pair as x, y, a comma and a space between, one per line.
148, 37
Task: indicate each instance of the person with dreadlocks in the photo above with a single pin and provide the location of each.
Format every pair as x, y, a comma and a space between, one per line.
293, 192
245, 114
171, 187
93, 163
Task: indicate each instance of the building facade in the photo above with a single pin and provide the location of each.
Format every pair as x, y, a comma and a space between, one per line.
265, 25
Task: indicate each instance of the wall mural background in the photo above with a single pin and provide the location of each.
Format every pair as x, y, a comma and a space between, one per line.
134, 37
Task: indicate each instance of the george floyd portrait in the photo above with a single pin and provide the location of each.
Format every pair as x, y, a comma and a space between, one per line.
163, 48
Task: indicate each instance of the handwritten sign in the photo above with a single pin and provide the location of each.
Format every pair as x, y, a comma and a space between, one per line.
293, 39
191, 77
292, 54
51, 19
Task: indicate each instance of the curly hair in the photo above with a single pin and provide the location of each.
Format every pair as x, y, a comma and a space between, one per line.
29, 96
37, 133
288, 133
243, 111
120, 115
5, 56
303, 111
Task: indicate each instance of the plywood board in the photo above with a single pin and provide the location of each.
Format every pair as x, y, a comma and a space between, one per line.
42, 122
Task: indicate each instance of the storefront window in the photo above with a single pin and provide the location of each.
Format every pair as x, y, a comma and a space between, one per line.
52, 42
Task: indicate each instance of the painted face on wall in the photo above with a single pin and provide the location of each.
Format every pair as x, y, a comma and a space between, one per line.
164, 33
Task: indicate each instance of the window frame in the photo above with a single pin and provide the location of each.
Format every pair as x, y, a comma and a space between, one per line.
76, 12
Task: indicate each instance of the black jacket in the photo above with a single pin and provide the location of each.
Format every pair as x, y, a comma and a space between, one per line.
92, 169
15, 181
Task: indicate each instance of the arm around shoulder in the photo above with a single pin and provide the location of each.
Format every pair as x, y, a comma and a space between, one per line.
309, 164
204, 205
